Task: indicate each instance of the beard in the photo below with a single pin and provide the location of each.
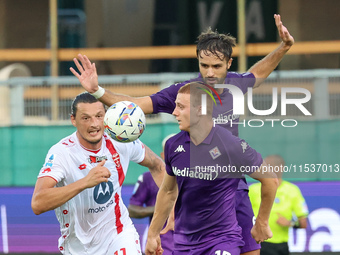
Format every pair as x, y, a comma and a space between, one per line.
213, 81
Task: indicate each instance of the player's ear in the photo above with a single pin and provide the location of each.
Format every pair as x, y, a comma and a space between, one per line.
229, 63
73, 120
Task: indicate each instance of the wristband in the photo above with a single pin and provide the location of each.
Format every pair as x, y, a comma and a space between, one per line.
99, 93
295, 224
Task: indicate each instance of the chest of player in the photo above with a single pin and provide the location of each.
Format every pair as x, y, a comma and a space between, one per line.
80, 165
197, 166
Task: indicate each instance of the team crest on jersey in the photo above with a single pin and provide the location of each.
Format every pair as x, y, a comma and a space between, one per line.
215, 152
50, 160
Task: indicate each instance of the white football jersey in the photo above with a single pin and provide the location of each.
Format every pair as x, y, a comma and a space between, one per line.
91, 220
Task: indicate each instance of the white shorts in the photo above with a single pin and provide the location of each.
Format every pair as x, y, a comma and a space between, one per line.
126, 243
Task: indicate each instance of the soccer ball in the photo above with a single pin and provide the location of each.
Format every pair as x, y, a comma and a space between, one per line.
124, 121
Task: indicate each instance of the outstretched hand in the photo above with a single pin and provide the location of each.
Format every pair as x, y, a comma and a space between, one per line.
88, 73
284, 34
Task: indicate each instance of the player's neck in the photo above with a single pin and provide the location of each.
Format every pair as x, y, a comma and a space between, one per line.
90, 146
200, 131
219, 91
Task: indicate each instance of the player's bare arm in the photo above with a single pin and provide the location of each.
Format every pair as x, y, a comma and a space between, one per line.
269, 185
282, 221
88, 78
265, 66
165, 202
139, 212
302, 222
47, 197
155, 164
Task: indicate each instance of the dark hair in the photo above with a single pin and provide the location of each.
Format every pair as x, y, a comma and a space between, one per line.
84, 97
210, 41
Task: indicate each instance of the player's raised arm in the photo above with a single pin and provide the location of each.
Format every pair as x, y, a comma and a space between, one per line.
265, 66
88, 77
269, 184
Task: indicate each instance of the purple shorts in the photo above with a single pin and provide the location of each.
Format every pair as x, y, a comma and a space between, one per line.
245, 218
219, 248
167, 242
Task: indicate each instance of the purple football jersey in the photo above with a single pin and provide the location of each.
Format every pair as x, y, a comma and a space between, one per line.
145, 193
164, 101
205, 208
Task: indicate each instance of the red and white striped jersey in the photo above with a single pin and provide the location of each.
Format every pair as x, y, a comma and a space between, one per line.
91, 220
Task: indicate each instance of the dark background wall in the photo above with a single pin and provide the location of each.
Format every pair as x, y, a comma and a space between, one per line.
113, 23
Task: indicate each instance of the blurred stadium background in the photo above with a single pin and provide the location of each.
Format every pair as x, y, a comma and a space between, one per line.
36, 91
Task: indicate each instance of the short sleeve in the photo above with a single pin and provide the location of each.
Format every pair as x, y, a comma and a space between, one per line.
167, 159
164, 100
54, 165
136, 150
241, 80
243, 157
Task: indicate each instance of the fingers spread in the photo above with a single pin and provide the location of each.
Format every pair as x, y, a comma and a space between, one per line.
80, 68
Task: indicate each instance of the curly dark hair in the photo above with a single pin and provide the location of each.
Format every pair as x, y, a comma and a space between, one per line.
216, 43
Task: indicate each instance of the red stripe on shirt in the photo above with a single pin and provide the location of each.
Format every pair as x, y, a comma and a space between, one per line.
118, 214
116, 160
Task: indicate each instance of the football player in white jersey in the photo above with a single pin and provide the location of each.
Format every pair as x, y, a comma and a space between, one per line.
81, 180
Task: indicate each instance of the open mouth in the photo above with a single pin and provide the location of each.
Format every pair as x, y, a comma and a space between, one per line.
94, 132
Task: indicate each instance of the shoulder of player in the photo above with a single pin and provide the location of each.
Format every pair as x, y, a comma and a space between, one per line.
291, 186
225, 135
63, 146
173, 141
240, 75
181, 84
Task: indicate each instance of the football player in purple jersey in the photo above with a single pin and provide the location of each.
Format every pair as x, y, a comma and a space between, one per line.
205, 210
214, 53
